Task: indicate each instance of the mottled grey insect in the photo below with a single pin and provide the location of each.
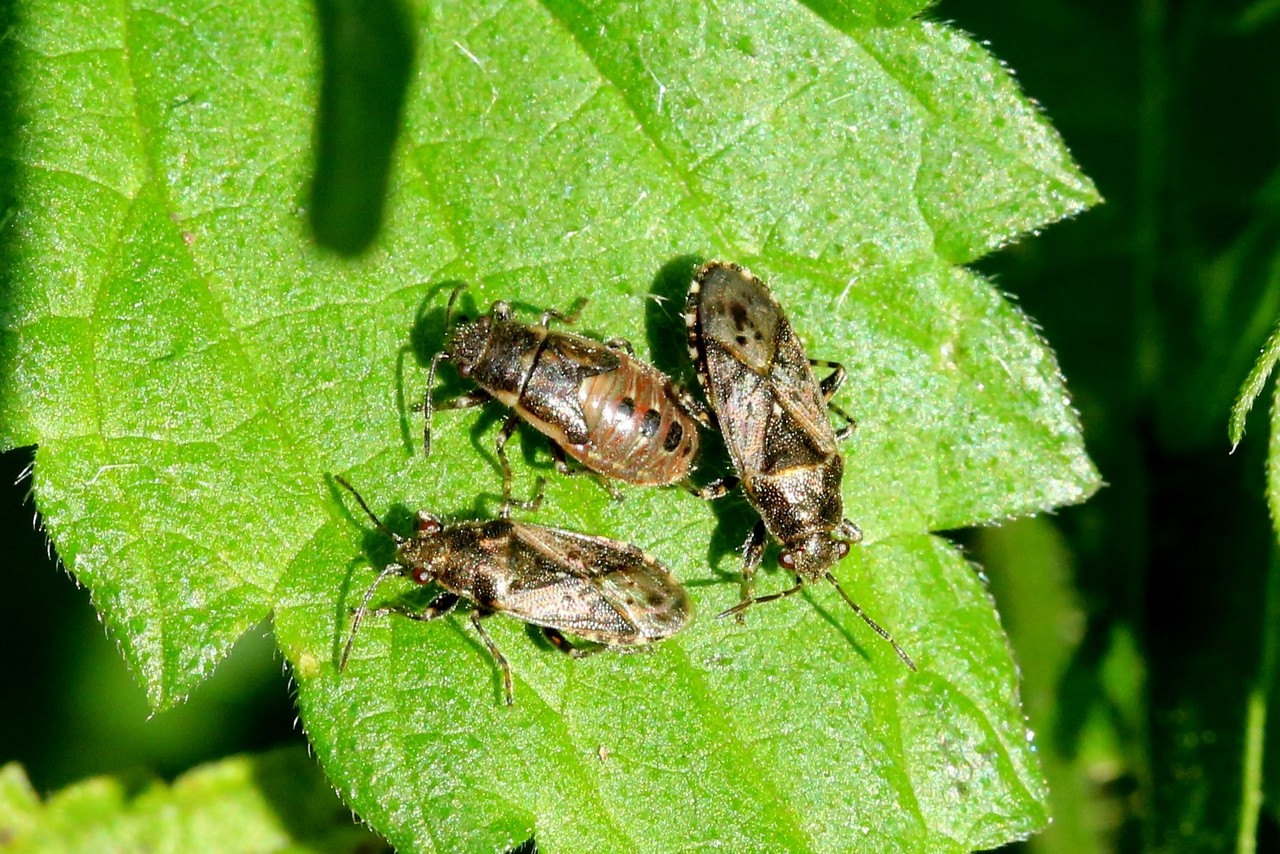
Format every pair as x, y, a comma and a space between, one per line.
601, 590
616, 415
773, 415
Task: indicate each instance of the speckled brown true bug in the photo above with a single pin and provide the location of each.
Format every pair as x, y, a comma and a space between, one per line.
619, 417
604, 591
773, 415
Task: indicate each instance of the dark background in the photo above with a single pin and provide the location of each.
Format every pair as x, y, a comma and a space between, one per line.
1141, 652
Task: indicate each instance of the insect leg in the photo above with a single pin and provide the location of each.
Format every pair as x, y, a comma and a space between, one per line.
426, 397
752, 551
560, 642
508, 427
539, 492
620, 344
498, 657
474, 398
389, 571
830, 384
849, 424
569, 318
436, 608
439, 606
849, 531
693, 406
562, 466
464, 401
718, 488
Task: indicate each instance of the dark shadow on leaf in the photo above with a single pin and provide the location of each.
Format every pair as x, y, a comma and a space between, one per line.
426, 339
840, 623
484, 434
431, 322
301, 798
735, 518
345, 603
368, 50
664, 318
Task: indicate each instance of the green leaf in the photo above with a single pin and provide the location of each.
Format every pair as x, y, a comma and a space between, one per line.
1252, 387
1031, 573
192, 367
273, 802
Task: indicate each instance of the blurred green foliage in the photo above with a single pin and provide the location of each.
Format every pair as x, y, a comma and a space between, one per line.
1143, 656
74, 710
274, 801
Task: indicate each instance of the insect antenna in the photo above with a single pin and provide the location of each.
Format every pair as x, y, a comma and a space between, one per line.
443, 355
387, 572
431, 373
342, 481
448, 309
875, 627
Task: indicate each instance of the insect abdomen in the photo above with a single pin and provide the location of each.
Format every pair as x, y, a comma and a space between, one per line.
638, 433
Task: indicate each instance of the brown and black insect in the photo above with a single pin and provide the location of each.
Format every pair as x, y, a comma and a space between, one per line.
773, 415
602, 590
618, 416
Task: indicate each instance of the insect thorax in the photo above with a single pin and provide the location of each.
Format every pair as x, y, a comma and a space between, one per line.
798, 502
458, 557
467, 342
495, 354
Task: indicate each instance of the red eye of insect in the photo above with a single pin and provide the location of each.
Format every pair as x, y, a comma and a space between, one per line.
421, 575
787, 560
427, 524
844, 548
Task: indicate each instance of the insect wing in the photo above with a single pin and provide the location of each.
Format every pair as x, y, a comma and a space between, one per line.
599, 589
650, 596
796, 390
550, 394
736, 311
757, 375
582, 355
742, 404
